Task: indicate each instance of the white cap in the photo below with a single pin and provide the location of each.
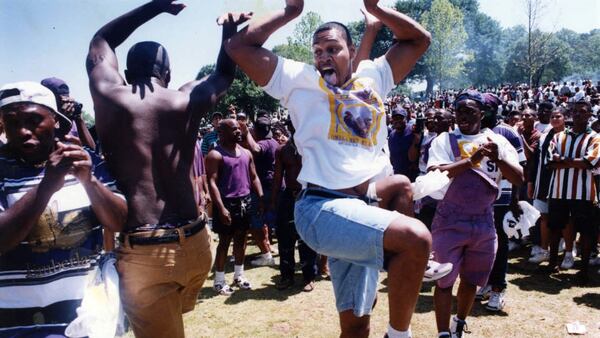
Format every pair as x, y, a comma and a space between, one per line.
33, 92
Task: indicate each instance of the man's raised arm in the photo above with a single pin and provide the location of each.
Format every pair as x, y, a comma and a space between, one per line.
413, 39
206, 92
245, 48
101, 61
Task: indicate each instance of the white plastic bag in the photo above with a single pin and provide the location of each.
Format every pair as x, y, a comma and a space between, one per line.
434, 184
515, 228
100, 314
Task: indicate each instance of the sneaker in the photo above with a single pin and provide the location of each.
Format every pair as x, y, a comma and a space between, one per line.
263, 261
284, 283
483, 293
458, 327
444, 335
513, 245
541, 256
242, 283
535, 250
436, 270
496, 302
568, 261
222, 288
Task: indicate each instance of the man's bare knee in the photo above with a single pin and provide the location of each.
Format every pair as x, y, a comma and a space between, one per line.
407, 234
352, 326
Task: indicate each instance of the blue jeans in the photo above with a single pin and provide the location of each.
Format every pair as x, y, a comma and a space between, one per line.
350, 233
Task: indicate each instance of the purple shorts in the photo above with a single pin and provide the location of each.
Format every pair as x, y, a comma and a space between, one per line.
467, 241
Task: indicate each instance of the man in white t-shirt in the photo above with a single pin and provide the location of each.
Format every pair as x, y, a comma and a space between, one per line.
341, 135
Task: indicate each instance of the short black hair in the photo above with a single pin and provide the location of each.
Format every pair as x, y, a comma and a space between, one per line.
334, 25
148, 58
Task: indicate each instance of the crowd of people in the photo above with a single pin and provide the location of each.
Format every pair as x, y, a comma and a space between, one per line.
332, 177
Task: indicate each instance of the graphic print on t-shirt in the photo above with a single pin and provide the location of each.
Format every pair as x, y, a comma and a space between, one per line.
356, 113
468, 148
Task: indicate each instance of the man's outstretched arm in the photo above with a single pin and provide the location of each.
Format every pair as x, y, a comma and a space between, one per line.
206, 92
101, 61
413, 39
245, 48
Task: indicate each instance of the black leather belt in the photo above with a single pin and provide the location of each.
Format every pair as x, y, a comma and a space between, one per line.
162, 236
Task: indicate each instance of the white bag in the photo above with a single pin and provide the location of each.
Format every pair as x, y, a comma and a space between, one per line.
517, 228
434, 184
100, 314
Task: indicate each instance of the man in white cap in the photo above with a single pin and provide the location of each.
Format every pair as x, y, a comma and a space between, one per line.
55, 198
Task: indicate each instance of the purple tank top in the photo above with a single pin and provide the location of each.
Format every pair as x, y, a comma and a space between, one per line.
234, 174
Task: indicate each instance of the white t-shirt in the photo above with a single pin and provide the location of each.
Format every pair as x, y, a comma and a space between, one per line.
340, 132
542, 127
440, 152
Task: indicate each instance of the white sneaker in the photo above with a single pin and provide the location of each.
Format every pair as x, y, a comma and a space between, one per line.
568, 261
483, 293
561, 245
535, 250
496, 302
513, 245
263, 261
222, 288
541, 256
242, 283
436, 270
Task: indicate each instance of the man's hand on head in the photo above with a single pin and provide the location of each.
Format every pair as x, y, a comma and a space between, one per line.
371, 4
169, 6
296, 6
371, 21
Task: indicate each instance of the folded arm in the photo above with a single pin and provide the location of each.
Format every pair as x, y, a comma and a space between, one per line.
412, 39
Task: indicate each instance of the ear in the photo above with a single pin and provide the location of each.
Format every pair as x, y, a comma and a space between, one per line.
167, 77
352, 50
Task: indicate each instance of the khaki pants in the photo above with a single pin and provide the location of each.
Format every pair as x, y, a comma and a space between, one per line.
161, 282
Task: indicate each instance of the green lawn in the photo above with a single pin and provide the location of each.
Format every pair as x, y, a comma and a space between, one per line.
537, 306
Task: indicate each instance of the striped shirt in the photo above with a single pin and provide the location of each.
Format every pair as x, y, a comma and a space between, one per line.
573, 183
539, 172
43, 279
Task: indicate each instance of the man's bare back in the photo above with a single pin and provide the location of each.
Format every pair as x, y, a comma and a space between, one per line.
148, 131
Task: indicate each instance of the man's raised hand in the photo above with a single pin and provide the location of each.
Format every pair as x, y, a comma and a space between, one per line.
234, 19
169, 6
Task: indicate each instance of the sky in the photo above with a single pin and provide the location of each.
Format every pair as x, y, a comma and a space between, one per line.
43, 38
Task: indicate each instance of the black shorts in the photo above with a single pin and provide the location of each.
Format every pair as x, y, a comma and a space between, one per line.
239, 209
583, 213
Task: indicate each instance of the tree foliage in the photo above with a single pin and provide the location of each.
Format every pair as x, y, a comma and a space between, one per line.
446, 56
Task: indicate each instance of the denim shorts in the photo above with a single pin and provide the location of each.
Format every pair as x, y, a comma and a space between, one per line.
257, 220
350, 233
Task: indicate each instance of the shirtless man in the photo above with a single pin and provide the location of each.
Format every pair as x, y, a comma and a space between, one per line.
343, 170
148, 133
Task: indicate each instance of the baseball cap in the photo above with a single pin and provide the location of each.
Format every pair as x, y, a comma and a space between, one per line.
33, 92
56, 85
399, 111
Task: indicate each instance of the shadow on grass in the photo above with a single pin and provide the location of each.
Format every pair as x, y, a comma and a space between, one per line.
589, 299
267, 292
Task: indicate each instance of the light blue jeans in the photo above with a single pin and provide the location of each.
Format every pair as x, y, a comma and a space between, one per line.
350, 233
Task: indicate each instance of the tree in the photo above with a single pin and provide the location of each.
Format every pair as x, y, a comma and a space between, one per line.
446, 55
243, 93
299, 46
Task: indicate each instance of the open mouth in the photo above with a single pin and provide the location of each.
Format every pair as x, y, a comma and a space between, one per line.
329, 75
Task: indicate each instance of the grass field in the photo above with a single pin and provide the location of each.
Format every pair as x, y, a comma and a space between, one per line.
537, 306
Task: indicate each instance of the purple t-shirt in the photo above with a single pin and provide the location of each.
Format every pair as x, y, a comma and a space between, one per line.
234, 174
265, 161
